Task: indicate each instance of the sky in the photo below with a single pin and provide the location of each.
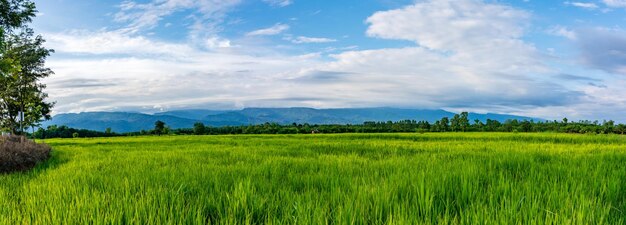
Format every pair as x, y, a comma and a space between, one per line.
545, 59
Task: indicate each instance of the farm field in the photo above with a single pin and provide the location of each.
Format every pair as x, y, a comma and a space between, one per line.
447, 178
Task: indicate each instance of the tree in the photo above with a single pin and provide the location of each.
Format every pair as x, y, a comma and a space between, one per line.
526, 126
22, 66
620, 129
159, 127
455, 123
199, 128
34, 116
464, 121
445, 124
492, 125
608, 127
479, 125
460, 122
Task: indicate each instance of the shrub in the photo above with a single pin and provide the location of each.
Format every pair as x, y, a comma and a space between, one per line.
18, 153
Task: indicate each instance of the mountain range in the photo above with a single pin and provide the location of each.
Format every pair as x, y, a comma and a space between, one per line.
129, 122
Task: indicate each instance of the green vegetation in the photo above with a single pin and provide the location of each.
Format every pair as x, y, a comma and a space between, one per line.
22, 67
458, 123
445, 178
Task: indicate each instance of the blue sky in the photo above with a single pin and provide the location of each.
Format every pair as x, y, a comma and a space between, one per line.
546, 59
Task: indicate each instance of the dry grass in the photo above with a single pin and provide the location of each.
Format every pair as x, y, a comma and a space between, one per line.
18, 153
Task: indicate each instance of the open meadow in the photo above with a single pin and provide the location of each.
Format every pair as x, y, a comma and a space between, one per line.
448, 178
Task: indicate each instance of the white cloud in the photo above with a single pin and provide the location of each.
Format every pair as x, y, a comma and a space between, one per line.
481, 34
274, 30
450, 25
563, 32
112, 70
467, 54
615, 3
112, 42
279, 3
178, 75
208, 14
308, 40
586, 5
597, 103
217, 42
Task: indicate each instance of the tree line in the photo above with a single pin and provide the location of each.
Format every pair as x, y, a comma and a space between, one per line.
458, 123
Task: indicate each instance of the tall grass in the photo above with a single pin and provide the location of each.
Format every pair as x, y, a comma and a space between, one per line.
325, 179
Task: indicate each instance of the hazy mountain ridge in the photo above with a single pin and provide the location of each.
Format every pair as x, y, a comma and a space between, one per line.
117, 121
194, 114
128, 122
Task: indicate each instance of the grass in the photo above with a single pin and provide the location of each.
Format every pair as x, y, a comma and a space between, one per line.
477, 178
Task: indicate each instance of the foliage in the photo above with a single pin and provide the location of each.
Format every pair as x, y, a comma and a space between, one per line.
199, 129
459, 123
435, 178
66, 132
15, 13
22, 66
159, 127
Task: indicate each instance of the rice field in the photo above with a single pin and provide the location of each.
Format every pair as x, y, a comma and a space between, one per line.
449, 178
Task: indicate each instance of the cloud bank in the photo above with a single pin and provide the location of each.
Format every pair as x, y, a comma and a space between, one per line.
463, 55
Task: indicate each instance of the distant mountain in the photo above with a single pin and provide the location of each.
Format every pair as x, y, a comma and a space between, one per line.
128, 122
498, 117
194, 114
323, 116
120, 122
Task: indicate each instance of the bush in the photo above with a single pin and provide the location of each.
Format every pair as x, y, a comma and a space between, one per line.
18, 153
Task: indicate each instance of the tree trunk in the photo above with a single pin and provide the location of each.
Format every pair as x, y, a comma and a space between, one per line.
22, 110
12, 127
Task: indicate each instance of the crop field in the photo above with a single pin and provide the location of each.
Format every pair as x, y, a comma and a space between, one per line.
451, 178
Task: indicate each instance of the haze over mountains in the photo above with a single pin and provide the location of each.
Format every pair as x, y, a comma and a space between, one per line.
129, 122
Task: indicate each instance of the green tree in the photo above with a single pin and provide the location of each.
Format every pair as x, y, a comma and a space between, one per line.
460, 122
22, 66
32, 103
493, 125
464, 121
608, 127
445, 124
455, 123
620, 129
478, 125
199, 128
159, 127
526, 126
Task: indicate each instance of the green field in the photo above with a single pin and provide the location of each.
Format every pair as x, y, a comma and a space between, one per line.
476, 178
